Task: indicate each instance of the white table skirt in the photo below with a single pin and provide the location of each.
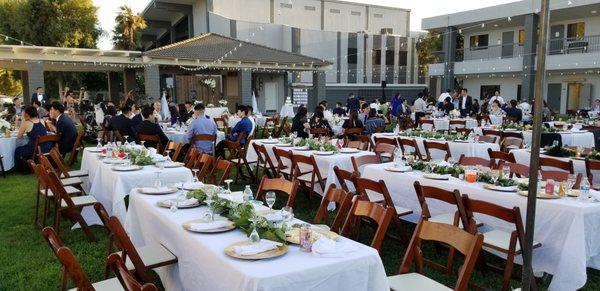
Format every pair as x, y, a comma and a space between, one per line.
325, 163
215, 111
287, 110
110, 187
203, 265
444, 124
469, 149
584, 139
181, 137
567, 229
7, 149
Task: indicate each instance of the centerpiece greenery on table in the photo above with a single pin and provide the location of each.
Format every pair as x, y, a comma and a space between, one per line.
500, 180
454, 171
512, 125
286, 139
199, 194
434, 135
317, 145
549, 129
140, 157
560, 152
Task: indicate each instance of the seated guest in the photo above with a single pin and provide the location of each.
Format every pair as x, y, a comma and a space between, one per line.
31, 127
251, 118
189, 111
123, 124
364, 113
137, 116
40, 110
495, 109
318, 121
202, 125
326, 112
64, 127
149, 126
513, 112
373, 122
448, 105
338, 110
174, 114
300, 125
352, 122
10, 114
403, 109
18, 106
243, 126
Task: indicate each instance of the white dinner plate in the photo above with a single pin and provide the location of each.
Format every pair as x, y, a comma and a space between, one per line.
304, 148
398, 169
283, 145
349, 151
323, 153
500, 188
273, 141
436, 176
173, 165
129, 168
94, 150
157, 191
113, 161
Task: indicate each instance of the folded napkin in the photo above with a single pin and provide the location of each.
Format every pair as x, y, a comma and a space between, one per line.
257, 248
209, 225
328, 248
274, 216
186, 202
192, 186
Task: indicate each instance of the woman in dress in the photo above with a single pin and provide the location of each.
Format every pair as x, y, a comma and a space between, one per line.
300, 124
31, 127
495, 109
318, 121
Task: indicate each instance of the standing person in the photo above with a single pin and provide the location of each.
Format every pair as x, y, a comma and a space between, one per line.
244, 126
189, 111
352, 103
420, 106
39, 95
465, 103
202, 125
455, 100
64, 127
300, 123
403, 109
497, 97
338, 110
395, 104
475, 108
373, 122
149, 126
31, 127
123, 124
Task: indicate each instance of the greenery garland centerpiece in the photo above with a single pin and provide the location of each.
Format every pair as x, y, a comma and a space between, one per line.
317, 145
489, 177
286, 139
443, 169
512, 125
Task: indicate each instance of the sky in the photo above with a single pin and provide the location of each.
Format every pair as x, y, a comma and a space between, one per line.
419, 9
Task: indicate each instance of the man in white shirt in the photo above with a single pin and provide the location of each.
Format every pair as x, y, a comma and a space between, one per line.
157, 115
497, 97
251, 117
420, 106
40, 96
375, 105
444, 95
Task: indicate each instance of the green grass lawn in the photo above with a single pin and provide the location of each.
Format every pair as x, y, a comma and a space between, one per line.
27, 262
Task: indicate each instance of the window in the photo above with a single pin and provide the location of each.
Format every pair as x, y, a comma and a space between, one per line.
389, 57
576, 30
488, 90
310, 8
378, 15
402, 58
377, 57
334, 11
285, 5
387, 31
352, 55
478, 42
355, 13
522, 36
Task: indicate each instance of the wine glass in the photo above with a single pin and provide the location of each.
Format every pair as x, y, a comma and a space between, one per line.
99, 145
254, 237
168, 155
270, 197
210, 214
228, 181
195, 171
126, 140
288, 215
571, 180
157, 182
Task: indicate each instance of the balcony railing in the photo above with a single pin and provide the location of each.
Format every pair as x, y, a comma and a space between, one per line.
586, 44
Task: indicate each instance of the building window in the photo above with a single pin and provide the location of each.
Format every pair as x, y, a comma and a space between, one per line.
378, 15
355, 13
402, 58
377, 57
522, 36
389, 57
334, 11
576, 30
387, 31
285, 5
352, 55
310, 8
479, 42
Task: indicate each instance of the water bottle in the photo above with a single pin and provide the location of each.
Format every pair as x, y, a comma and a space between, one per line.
248, 194
584, 188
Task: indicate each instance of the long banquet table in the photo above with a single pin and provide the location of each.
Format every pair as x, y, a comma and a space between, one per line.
567, 228
111, 187
182, 137
569, 138
522, 156
203, 265
7, 150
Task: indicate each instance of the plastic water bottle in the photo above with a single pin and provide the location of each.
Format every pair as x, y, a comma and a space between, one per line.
584, 188
248, 194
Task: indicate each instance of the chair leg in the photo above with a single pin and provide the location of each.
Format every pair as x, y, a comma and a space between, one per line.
108, 252
508, 271
37, 208
85, 227
63, 280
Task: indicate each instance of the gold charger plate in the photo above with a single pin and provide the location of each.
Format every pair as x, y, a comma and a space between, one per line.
540, 195
279, 251
186, 226
168, 202
293, 236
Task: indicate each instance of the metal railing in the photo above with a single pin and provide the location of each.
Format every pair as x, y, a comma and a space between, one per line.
574, 45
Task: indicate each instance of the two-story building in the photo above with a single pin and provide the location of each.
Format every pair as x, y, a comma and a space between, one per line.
499, 48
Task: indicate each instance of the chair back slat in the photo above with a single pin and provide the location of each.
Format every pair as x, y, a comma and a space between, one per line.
153, 138
343, 201
204, 137
203, 163
474, 161
76, 148
560, 176
358, 162
376, 212
280, 185
385, 148
498, 157
487, 138
411, 143
557, 164
344, 177
450, 197
128, 249
591, 165
440, 146
41, 139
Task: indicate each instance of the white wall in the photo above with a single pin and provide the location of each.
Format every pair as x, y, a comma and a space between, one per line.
508, 85
322, 45
270, 35
298, 16
345, 21
219, 24
246, 10
199, 12
395, 19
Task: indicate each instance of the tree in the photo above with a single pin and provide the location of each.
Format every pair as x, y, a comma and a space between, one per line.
429, 51
127, 32
10, 84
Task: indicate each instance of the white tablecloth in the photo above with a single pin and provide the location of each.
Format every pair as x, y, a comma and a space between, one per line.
181, 137
203, 265
444, 123
110, 187
567, 229
325, 163
584, 139
7, 150
215, 111
287, 110
469, 149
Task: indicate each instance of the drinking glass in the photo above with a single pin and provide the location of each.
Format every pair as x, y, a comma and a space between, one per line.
288, 216
505, 171
270, 197
228, 181
571, 180
126, 140
210, 214
168, 155
99, 145
195, 171
254, 237
157, 182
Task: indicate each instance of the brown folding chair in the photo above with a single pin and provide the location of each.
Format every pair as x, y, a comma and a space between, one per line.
391, 141
487, 138
175, 148
280, 186
203, 163
270, 125
238, 158
190, 157
556, 164
512, 134
406, 143
591, 165
154, 255
492, 132
509, 243
75, 272
499, 157
41, 139
319, 132
365, 139
509, 143
560, 176
464, 131
467, 244
125, 278
518, 170
77, 148
385, 151
355, 144
56, 243
284, 163
474, 161
221, 124
264, 161
348, 132
426, 121
63, 169
359, 162
283, 127
105, 217
378, 213
342, 200
152, 138
311, 179
440, 146
223, 166
71, 181
207, 138
455, 124
344, 177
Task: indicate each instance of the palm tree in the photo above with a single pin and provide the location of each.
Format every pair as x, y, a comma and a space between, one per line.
127, 34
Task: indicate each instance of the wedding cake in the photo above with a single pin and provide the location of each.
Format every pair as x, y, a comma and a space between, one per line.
288, 100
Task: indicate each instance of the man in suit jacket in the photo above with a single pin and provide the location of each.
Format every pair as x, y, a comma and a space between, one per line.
149, 126
123, 124
64, 127
465, 103
189, 111
40, 96
137, 117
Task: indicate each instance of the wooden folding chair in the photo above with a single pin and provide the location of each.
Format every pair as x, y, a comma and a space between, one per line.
63, 169
510, 143
365, 139
467, 244
591, 165
56, 243
150, 140
284, 163
279, 186
283, 127
385, 151
190, 157
203, 163
71, 181
319, 132
518, 170
238, 158
359, 162
423, 121
118, 136
349, 132
512, 134
560, 176
440, 146
270, 125
499, 157
105, 217
74, 271
556, 164
207, 138
456, 124
264, 161
41, 139
391, 141
342, 200
406, 143
487, 138
77, 148
140, 260
378, 213
344, 177
223, 166
491, 132
474, 161
222, 124
355, 144
175, 148
310, 179
464, 131
125, 278
509, 243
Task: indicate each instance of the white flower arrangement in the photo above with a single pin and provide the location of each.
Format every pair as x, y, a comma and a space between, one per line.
211, 83
5, 125
454, 113
210, 105
223, 102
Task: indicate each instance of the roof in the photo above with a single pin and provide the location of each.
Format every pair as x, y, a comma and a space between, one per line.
211, 46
